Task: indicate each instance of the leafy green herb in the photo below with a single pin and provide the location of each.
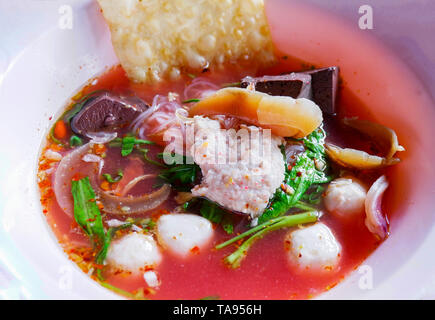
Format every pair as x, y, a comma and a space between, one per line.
67, 116
191, 100
216, 297
234, 260
86, 212
75, 141
186, 205
303, 206
109, 178
231, 84
308, 169
191, 75
212, 212
147, 224
173, 158
73, 111
144, 152
129, 142
101, 255
227, 223
182, 176
115, 143
315, 195
88, 217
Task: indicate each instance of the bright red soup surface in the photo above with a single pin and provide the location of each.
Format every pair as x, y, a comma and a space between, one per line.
265, 273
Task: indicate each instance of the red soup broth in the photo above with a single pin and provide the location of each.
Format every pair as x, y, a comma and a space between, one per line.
265, 273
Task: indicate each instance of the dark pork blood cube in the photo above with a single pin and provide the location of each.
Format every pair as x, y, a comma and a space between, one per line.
295, 85
324, 83
106, 112
318, 85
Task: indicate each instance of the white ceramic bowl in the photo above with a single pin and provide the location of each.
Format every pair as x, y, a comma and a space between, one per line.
42, 78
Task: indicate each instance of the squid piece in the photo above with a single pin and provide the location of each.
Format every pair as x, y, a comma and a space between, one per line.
375, 221
385, 137
357, 159
285, 116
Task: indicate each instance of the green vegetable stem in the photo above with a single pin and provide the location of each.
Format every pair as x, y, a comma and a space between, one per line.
88, 217
234, 260
305, 172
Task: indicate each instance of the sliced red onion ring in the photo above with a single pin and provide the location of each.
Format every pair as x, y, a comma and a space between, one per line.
375, 221
134, 181
199, 88
206, 93
292, 151
90, 157
131, 205
68, 167
72, 163
157, 118
157, 102
101, 137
